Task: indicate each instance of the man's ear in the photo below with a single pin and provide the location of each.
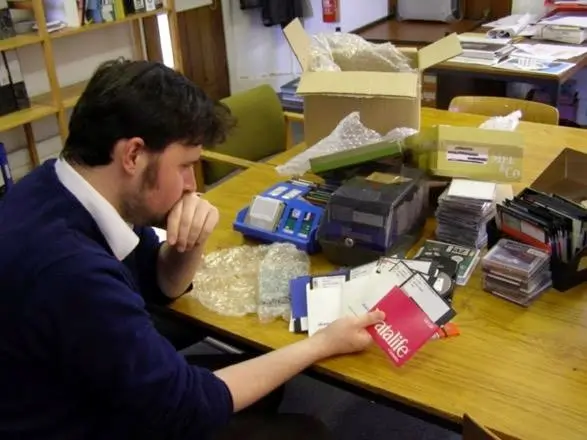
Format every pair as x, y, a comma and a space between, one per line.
132, 155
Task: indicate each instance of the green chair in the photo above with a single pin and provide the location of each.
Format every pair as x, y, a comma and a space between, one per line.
262, 130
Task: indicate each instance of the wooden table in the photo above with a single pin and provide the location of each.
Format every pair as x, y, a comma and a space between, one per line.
450, 73
418, 33
522, 372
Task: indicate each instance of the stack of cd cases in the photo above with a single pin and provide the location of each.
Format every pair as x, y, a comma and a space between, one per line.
463, 212
516, 271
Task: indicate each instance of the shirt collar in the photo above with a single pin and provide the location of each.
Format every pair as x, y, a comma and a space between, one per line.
119, 235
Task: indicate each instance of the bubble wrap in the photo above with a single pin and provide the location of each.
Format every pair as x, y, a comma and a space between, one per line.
282, 263
350, 52
349, 133
505, 123
247, 279
227, 280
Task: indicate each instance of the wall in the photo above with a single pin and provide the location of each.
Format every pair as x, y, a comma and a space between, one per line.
75, 57
257, 54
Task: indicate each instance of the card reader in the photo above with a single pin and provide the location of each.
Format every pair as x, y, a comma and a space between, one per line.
288, 212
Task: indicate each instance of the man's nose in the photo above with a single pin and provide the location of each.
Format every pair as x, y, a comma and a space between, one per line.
189, 180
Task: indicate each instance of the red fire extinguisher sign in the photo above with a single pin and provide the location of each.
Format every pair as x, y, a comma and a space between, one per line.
329, 11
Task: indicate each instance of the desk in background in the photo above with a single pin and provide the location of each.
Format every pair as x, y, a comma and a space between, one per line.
454, 79
521, 372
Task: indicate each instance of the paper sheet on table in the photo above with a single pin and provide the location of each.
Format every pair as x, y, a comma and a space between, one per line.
512, 28
551, 51
529, 31
479, 61
510, 20
563, 19
473, 37
538, 65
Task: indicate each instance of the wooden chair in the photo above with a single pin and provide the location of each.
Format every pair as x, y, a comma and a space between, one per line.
263, 129
472, 430
498, 106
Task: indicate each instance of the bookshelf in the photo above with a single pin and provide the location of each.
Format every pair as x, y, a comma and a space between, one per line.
59, 99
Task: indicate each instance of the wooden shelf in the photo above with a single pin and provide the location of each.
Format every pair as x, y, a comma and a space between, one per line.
43, 105
19, 41
69, 95
21, 117
97, 26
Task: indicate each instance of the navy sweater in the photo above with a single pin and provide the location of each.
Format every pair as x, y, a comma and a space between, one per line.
79, 356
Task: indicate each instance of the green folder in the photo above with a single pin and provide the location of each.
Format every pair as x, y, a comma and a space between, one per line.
355, 156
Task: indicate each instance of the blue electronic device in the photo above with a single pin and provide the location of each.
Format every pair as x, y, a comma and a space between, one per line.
283, 214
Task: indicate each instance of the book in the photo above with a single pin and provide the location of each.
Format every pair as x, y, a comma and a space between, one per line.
7, 100
324, 306
359, 290
486, 50
466, 257
375, 287
298, 295
19, 90
405, 329
6, 25
299, 303
6, 180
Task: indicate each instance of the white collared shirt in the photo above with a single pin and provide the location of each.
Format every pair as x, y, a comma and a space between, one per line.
119, 235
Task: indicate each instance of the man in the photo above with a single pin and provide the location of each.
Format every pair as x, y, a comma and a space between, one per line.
79, 355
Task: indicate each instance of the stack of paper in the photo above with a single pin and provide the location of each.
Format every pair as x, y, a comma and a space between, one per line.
403, 289
463, 212
511, 26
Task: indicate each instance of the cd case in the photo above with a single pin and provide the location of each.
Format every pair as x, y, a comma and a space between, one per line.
516, 271
565, 275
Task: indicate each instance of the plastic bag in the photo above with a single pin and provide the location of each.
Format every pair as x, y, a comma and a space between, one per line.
503, 123
349, 133
227, 281
282, 263
349, 52
249, 279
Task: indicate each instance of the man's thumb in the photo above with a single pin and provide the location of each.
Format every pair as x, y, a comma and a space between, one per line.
372, 318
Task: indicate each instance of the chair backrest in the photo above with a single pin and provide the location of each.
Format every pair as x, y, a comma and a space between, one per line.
473, 430
532, 111
260, 130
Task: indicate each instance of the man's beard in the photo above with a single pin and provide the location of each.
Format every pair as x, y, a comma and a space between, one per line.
134, 205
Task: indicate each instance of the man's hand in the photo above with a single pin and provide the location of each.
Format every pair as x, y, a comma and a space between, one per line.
190, 222
345, 335
348, 334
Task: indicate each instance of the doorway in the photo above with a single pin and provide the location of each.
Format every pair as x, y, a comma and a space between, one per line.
202, 44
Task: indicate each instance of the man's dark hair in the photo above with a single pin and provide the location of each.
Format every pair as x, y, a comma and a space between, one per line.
126, 99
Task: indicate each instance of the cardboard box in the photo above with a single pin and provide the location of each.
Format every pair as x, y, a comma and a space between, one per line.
385, 100
565, 176
429, 95
468, 152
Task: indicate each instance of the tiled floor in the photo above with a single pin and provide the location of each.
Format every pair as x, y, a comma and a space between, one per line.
349, 417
